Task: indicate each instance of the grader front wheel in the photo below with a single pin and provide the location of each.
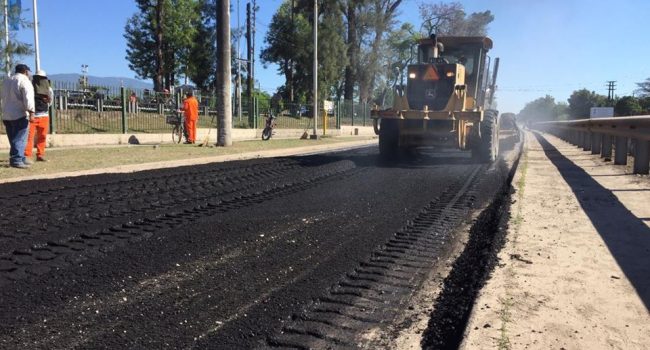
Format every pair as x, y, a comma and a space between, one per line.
388, 138
485, 149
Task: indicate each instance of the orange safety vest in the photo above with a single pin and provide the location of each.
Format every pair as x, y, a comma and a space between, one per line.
191, 108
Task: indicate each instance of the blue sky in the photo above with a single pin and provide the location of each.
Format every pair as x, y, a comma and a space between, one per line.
546, 46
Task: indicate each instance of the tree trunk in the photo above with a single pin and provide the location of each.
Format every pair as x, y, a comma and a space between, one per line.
160, 14
224, 108
350, 75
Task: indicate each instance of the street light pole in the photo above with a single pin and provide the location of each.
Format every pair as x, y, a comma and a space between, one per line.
7, 57
314, 135
37, 54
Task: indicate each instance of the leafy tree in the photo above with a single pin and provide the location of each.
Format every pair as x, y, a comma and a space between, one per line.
380, 20
180, 30
332, 57
203, 54
628, 105
562, 111
581, 101
289, 44
397, 48
541, 109
451, 19
644, 88
286, 45
16, 48
644, 102
160, 38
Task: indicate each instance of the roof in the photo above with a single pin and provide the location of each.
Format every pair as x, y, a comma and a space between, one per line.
460, 40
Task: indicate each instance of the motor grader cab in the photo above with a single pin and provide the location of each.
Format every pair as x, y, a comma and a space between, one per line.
446, 101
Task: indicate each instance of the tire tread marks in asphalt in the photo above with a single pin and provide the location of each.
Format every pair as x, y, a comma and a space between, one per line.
40, 257
373, 294
59, 210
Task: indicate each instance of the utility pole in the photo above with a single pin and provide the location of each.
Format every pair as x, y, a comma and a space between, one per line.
611, 86
239, 86
293, 30
249, 57
224, 109
314, 135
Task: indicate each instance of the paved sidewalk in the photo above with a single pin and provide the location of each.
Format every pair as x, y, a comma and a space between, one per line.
575, 271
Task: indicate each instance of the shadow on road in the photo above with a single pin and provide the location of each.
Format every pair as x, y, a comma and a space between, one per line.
369, 157
626, 235
416, 158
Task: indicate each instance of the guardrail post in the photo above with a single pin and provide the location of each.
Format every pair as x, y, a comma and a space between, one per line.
125, 126
586, 146
575, 137
620, 153
566, 135
641, 160
606, 149
580, 138
596, 140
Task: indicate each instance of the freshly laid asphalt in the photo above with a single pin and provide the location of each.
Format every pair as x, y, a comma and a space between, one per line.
324, 251
226, 255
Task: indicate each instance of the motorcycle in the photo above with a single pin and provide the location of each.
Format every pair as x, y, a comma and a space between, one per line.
268, 128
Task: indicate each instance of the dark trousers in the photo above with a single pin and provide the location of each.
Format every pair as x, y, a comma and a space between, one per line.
17, 132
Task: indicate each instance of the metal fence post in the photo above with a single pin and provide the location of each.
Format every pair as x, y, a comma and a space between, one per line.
641, 160
338, 114
620, 153
256, 113
52, 111
125, 126
606, 149
596, 141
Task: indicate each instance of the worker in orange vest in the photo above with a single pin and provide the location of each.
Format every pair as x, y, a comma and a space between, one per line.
191, 112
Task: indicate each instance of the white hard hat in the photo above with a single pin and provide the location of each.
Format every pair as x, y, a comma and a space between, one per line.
41, 73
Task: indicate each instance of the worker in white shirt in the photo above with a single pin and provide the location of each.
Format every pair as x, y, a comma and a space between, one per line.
17, 111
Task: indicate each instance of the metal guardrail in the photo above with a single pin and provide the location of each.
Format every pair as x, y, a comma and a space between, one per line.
600, 135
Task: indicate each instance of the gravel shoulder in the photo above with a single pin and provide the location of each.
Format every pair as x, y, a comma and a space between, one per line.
574, 271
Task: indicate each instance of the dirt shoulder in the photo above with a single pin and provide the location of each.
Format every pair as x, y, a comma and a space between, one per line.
575, 272
64, 162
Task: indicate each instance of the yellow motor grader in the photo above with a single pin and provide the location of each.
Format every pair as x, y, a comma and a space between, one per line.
446, 101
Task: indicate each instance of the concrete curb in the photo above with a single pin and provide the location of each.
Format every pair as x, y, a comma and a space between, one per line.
76, 140
204, 160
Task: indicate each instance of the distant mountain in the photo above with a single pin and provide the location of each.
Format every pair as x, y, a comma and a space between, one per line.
102, 81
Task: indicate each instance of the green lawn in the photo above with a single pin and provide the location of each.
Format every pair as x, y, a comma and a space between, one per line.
86, 158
